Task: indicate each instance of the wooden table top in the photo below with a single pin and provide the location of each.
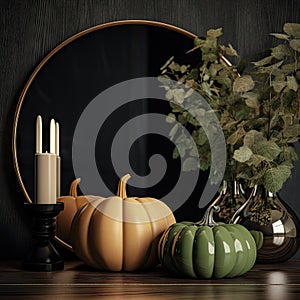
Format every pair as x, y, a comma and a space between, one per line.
280, 281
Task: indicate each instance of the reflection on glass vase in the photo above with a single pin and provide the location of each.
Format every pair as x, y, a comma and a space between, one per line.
231, 198
268, 213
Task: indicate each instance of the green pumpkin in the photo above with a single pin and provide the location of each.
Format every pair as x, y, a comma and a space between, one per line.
207, 249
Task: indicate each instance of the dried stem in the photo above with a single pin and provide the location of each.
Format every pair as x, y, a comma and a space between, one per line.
122, 186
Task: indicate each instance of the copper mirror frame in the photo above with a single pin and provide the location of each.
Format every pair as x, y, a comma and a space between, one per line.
45, 62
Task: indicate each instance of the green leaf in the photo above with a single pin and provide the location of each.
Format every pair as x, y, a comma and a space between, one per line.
255, 160
270, 69
289, 154
288, 119
292, 131
274, 178
214, 69
292, 29
194, 152
292, 83
209, 57
274, 120
230, 51
189, 93
198, 42
214, 33
224, 80
173, 132
181, 148
190, 164
190, 119
295, 44
280, 51
193, 74
229, 125
263, 62
242, 154
175, 153
174, 66
169, 95
206, 88
176, 108
210, 46
182, 118
204, 165
251, 99
269, 149
288, 68
189, 83
252, 137
206, 77
183, 68
280, 36
279, 85
165, 80
243, 84
201, 137
236, 136
178, 95
171, 118
184, 139
167, 63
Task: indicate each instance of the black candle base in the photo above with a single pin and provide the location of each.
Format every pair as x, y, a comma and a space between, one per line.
43, 256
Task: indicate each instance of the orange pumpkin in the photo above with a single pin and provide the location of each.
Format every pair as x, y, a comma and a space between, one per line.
119, 232
71, 204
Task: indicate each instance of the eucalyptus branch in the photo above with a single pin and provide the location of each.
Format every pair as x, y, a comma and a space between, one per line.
257, 131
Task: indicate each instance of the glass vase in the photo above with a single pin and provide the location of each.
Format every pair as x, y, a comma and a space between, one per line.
268, 213
231, 199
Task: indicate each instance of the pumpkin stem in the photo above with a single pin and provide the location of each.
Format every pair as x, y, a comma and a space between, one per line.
122, 186
73, 187
208, 219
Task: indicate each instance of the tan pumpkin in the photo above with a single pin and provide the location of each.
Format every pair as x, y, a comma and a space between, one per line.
119, 232
72, 203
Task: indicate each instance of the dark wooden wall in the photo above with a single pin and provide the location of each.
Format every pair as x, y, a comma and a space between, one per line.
29, 29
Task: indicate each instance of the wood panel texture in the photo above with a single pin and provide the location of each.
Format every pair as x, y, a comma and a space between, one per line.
78, 281
29, 29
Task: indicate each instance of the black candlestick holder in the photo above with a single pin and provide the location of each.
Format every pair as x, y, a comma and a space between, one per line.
43, 256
